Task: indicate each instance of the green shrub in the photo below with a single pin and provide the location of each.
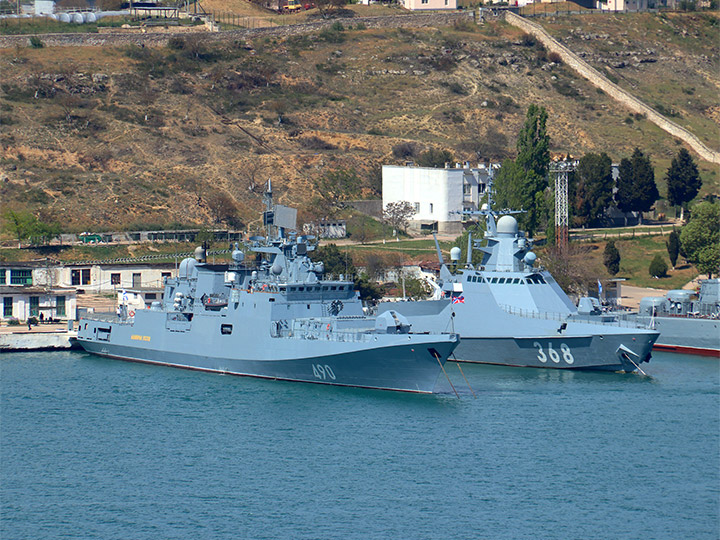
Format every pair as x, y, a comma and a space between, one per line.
36, 43
611, 258
658, 267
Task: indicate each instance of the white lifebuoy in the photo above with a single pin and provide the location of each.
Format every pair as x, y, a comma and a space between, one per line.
131, 313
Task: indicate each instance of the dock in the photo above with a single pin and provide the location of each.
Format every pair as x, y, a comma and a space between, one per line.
39, 338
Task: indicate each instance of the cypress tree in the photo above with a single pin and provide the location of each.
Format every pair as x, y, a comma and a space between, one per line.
683, 180
520, 183
593, 187
637, 191
611, 258
673, 247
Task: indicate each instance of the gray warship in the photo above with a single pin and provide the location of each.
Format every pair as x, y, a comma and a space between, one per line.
275, 317
688, 322
509, 312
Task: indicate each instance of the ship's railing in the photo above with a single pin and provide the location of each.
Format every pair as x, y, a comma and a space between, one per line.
105, 316
564, 317
322, 330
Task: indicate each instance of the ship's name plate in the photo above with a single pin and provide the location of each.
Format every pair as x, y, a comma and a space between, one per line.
140, 338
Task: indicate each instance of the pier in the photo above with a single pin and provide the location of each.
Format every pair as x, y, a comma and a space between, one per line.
40, 337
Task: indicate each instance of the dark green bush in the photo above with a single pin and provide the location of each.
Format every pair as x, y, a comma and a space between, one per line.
658, 267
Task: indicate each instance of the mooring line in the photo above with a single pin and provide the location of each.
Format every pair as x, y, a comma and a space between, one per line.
464, 377
437, 357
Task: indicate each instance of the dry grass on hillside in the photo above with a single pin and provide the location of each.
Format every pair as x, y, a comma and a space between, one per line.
109, 138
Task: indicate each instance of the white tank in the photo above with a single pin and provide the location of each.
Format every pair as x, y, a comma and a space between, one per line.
77, 18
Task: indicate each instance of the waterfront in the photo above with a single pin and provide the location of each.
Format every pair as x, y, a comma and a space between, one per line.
95, 448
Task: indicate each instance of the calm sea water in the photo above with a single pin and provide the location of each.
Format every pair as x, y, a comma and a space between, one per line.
96, 448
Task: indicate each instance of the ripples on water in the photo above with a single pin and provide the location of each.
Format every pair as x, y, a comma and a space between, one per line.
95, 448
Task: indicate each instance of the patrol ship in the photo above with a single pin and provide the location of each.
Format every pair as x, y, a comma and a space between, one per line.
509, 312
688, 323
276, 317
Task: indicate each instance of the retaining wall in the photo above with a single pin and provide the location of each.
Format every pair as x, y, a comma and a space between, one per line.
612, 89
160, 38
36, 340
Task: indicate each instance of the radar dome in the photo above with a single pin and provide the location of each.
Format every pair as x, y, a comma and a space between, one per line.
529, 258
186, 268
455, 254
200, 254
507, 225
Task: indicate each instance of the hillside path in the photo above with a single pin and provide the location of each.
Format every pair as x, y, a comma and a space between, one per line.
613, 90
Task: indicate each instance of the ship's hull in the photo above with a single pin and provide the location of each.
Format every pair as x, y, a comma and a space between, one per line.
600, 353
494, 336
413, 366
687, 335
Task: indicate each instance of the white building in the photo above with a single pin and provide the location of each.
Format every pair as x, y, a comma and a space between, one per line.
438, 195
28, 289
622, 5
415, 5
21, 298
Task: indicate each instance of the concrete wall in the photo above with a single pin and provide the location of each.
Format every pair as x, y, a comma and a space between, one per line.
613, 90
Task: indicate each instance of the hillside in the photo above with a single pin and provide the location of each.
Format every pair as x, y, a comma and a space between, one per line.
110, 138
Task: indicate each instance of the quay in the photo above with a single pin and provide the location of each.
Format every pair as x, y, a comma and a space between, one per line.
41, 337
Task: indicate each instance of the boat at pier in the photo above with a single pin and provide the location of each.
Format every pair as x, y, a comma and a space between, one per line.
510, 312
273, 317
688, 322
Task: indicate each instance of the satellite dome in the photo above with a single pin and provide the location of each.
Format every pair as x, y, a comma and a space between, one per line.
507, 225
455, 254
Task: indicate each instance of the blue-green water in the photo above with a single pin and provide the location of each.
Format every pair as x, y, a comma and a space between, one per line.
95, 448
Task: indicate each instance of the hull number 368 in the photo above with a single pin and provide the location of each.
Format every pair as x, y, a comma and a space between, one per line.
553, 354
323, 372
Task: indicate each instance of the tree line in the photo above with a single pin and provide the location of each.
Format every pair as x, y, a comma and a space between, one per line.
524, 183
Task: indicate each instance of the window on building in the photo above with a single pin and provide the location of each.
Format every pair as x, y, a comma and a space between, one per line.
481, 188
7, 306
137, 280
417, 207
114, 279
150, 296
467, 189
165, 275
75, 277
20, 277
86, 276
60, 306
424, 1
34, 306
431, 208
3, 273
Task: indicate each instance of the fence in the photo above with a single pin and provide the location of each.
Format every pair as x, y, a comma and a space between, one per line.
234, 20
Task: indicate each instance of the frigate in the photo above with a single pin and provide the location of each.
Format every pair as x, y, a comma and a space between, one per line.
277, 316
688, 322
510, 312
